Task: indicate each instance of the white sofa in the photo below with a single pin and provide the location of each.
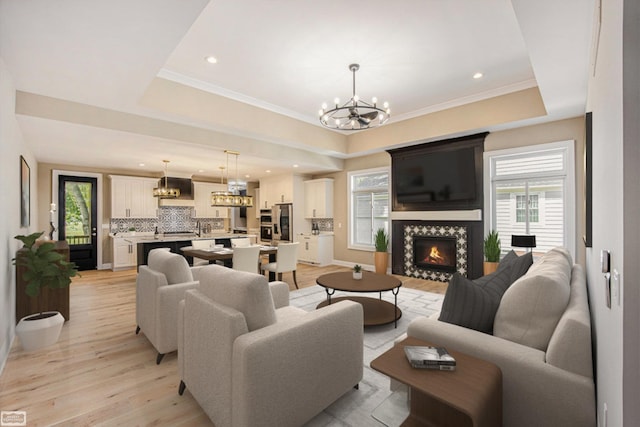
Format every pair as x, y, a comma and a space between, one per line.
249, 359
541, 341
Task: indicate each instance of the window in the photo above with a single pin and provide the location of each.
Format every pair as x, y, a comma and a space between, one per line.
532, 192
368, 206
526, 209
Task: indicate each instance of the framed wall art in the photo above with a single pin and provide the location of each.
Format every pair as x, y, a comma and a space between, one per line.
25, 193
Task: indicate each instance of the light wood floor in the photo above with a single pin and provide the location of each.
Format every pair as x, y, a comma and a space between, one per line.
100, 373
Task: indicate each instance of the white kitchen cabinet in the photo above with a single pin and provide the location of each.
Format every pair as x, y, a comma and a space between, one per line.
132, 197
318, 198
124, 253
281, 189
316, 249
202, 198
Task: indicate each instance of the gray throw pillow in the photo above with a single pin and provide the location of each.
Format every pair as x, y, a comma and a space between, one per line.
519, 264
474, 303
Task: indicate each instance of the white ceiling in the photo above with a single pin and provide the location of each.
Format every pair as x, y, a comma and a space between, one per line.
286, 56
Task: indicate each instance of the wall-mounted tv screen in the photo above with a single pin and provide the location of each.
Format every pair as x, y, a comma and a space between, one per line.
437, 176
442, 175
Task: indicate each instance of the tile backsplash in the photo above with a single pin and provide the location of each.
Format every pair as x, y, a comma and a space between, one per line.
170, 218
324, 224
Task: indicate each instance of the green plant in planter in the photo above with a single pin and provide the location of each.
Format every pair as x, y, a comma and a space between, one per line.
44, 266
381, 240
357, 268
492, 247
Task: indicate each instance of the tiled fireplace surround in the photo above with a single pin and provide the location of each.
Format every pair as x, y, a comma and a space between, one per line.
469, 241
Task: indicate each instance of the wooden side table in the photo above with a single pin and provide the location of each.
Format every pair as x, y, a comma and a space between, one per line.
469, 396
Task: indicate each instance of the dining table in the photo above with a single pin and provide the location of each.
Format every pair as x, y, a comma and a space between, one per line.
226, 255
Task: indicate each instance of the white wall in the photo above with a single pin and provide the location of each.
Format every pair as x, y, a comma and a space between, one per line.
11, 147
614, 102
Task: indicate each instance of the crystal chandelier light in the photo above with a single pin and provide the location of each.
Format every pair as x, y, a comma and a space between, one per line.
230, 198
355, 114
165, 192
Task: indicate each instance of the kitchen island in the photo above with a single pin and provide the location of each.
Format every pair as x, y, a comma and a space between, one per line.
176, 242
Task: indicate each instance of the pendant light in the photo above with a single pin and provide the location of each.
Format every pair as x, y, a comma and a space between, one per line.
230, 198
165, 192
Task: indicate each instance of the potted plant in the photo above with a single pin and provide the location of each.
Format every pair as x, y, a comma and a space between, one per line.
357, 272
491, 252
381, 256
43, 267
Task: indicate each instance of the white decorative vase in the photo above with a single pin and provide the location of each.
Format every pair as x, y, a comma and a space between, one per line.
39, 333
358, 275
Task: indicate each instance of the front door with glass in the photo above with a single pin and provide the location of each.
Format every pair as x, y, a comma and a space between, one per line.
77, 219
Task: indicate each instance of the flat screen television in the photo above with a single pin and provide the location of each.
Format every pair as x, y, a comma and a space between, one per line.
438, 176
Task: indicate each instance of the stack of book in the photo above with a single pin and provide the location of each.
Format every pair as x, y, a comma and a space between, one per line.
427, 357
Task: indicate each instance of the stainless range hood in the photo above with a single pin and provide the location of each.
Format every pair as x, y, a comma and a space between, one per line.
186, 192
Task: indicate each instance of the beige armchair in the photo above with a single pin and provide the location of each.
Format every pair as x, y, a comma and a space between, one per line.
160, 286
250, 359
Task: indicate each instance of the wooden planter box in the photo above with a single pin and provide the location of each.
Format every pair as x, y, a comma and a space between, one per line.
48, 299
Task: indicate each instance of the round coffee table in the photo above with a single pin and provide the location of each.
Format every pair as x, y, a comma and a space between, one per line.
376, 310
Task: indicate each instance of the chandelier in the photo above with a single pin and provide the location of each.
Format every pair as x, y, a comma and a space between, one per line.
165, 192
355, 114
232, 197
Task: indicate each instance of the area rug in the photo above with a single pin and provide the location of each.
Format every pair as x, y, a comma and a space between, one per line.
354, 409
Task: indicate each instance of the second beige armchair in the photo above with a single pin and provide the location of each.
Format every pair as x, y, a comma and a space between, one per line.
160, 286
249, 359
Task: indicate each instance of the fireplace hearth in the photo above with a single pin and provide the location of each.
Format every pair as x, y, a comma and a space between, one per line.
435, 253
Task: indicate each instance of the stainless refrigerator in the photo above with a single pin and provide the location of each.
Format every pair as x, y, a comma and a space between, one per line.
283, 222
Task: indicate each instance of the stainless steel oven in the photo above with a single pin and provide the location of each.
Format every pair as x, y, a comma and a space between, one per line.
266, 233
266, 217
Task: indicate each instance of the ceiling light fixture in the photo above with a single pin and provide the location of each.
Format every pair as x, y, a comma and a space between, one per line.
230, 198
355, 114
477, 75
211, 59
165, 192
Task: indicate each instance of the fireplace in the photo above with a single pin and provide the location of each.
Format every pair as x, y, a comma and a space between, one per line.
459, 242
435, 253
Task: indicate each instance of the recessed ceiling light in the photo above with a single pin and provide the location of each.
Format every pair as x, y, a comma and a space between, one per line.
141, 165
247, 176
200, 170
211, 59
268, 171
295, 166
477, 75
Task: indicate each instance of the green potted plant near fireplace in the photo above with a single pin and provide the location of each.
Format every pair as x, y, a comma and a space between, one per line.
381, 256
41, 266
491, 252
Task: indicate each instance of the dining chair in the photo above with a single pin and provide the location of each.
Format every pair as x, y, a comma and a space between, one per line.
240, 242
286, 260
246, 258
201, 244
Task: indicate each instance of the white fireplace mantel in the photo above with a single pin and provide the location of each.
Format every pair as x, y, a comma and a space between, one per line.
470, 215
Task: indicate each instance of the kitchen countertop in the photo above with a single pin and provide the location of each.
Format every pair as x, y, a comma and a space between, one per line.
322, 233
150, 237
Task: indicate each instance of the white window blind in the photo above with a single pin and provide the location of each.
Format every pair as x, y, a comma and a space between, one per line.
369, 206
532, 192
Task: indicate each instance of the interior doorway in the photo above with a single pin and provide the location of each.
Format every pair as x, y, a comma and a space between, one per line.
78, 219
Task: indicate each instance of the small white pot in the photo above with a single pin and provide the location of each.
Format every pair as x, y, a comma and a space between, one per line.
357, 276
39, 333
